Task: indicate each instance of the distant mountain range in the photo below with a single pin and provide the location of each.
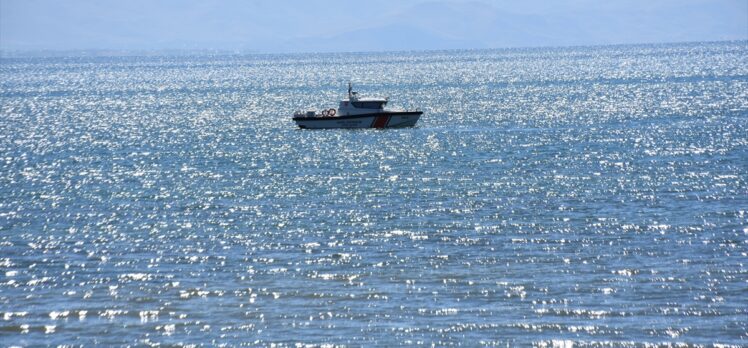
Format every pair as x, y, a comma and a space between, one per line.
377, 25
445, 25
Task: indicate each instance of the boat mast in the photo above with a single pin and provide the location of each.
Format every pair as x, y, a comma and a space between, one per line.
349, 90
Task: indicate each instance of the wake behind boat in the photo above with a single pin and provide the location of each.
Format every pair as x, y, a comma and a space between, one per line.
358, 112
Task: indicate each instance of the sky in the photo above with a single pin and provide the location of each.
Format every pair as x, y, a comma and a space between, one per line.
268, 26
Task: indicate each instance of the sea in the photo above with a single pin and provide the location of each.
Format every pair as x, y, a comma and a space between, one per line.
548, 197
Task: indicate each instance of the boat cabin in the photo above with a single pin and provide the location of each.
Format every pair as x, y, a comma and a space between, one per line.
354, 105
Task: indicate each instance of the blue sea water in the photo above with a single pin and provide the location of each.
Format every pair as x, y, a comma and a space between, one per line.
591, 196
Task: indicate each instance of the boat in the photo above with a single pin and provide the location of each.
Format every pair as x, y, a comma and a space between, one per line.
357, 112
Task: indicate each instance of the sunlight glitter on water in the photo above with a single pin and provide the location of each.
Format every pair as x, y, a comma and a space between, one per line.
548, 197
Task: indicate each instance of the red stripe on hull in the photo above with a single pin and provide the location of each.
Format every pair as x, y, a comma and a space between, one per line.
381, 121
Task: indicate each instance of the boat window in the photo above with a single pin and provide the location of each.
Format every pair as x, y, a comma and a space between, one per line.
367, 105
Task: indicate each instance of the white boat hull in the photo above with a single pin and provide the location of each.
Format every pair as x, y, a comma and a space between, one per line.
392, 119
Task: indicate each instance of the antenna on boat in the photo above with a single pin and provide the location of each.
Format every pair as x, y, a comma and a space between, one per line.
349, 90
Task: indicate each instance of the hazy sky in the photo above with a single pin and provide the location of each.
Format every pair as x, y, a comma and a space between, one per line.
373, 25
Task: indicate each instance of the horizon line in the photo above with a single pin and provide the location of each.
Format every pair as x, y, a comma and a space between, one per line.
155, 52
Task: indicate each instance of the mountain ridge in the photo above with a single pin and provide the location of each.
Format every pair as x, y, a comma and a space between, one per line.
378, 25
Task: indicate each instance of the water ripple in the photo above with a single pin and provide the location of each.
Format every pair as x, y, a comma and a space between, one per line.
548, 197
